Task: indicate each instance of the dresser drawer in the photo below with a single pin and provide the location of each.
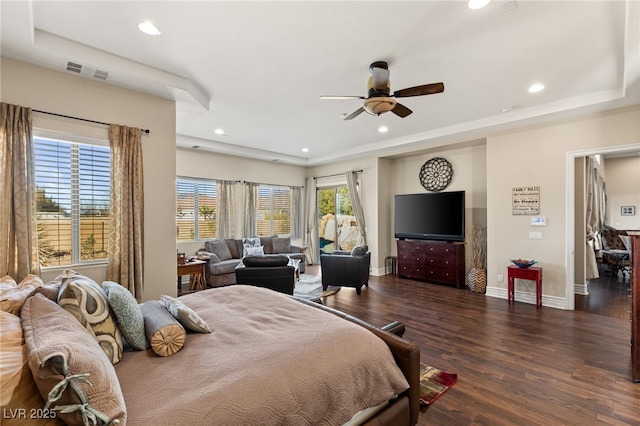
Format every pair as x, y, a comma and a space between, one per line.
412, 270
436, 261
441, 275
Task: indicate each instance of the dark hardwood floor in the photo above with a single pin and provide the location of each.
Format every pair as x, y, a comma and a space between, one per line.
608, 295
516, 365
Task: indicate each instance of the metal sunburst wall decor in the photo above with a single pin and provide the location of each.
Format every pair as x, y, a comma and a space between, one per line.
435, 175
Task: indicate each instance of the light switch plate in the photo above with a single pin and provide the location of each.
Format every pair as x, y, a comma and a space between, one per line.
535, 235
538, 221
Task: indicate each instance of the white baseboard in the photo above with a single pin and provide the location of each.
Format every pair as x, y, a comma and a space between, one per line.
526, 297
581, 289
378, 272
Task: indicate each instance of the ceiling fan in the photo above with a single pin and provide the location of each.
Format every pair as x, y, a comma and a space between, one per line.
380, 99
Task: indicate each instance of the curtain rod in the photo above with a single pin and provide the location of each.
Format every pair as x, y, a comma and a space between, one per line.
337, 174
147, 131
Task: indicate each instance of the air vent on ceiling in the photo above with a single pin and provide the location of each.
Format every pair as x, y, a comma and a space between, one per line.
101, 75
86, 71
73, 67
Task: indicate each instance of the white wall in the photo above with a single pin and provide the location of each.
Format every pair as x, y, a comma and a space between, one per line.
622, 176
63, 93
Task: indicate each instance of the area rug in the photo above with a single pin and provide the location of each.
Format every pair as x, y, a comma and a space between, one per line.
434, 383
310, 287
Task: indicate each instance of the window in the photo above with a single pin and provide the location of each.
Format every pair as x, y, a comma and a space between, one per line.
197, 208
73, 191
274, 210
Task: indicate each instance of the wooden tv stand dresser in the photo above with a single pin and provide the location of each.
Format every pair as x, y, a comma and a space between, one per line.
433, 261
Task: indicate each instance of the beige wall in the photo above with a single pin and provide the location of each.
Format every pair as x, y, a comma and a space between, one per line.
63, 93
622, 176
487, 171
539, 157
209, 165
469, 165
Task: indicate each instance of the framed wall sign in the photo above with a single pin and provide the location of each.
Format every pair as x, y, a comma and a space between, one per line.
628, 210
526, 200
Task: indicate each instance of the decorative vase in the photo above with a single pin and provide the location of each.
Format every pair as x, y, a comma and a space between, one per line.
477, 280
477, 277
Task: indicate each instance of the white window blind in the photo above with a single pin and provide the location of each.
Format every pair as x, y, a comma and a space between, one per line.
73, 191
196, 216
274, 210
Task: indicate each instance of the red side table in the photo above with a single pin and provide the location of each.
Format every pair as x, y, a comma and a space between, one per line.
532, 273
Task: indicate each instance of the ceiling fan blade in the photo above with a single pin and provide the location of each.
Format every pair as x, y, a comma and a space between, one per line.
401, 110
380, 78
341, 97
425, 89
354, 114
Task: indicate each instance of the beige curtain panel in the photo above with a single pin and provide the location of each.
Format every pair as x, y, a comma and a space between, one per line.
358, 210
126, 220
18, 226
226, 208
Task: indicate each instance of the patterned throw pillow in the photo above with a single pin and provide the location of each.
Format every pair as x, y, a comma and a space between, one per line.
64, 355
128, 314
184, 314
86, 300
248, 243
253, 251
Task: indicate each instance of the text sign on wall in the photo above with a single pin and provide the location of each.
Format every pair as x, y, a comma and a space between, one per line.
526, 200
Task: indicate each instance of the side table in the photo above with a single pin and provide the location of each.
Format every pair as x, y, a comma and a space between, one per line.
307, 255
196, 271
532, 273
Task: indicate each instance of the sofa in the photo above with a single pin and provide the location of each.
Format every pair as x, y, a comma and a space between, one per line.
225, 255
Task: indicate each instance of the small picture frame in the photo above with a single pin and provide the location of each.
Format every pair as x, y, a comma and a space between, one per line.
628, 210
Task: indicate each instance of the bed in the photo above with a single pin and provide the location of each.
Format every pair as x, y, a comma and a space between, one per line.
270, 359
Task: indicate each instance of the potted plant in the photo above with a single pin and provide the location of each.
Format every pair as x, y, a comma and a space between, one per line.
477, 277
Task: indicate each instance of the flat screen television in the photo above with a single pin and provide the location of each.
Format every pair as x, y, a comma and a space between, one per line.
430, 216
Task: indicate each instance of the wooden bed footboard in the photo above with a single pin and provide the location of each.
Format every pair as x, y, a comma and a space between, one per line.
407, 356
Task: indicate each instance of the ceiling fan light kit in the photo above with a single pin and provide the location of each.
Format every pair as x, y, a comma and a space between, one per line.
380, 99
379, 105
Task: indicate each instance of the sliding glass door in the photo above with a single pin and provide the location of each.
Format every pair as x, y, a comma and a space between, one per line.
337, 228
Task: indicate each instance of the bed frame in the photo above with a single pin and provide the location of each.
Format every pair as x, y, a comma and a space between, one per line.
405, 409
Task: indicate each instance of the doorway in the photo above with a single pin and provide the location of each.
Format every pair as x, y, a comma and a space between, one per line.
337, 228
575, 255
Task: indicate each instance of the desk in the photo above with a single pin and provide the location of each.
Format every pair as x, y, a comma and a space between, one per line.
531, 273
196, 271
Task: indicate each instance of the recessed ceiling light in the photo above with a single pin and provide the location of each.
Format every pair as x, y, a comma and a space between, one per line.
218, 132
535, 88
148, 28
478, 4
305, 149
383, 129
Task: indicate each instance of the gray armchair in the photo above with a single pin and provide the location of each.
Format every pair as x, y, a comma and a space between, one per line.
346, 269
